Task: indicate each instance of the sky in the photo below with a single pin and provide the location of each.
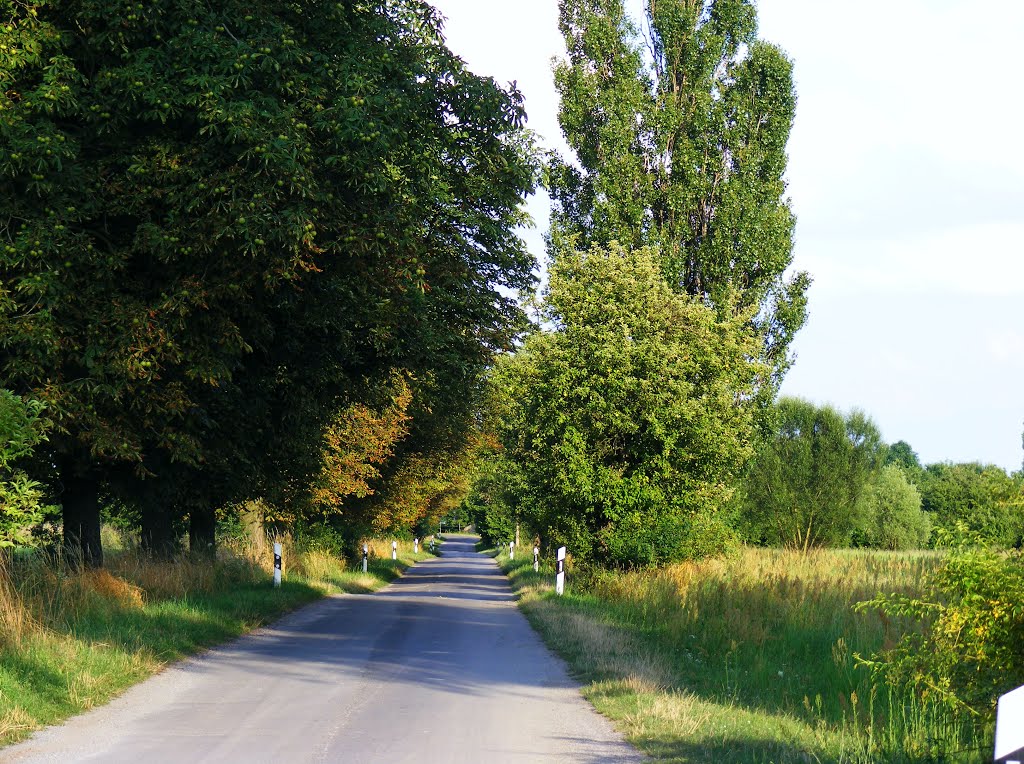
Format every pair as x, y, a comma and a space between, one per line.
906, 174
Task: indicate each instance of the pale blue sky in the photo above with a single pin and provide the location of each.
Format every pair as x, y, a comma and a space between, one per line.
907, 177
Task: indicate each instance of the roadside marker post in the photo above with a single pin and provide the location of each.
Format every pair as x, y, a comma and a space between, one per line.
560, 571
277, 563
366, 554
394, 550
1010, 728
416, 545
511, 550
536, 559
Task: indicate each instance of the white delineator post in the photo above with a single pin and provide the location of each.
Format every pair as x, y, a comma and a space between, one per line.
1010, 727
560, 571
511, 550
366, 554
277, 563
394, 550
416, 545
536, 559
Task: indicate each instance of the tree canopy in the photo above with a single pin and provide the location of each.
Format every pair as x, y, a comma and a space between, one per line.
980, 497
804, 486
680, 141
630, 417
225, 224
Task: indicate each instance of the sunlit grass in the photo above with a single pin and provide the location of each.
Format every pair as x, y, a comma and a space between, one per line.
748, 658
73, 640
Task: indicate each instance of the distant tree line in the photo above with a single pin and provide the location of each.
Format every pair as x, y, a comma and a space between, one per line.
826, 480
247, 251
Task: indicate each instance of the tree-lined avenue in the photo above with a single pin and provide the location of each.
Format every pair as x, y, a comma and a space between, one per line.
440, 666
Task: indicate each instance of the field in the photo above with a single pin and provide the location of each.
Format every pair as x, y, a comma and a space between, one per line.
747, 659
70, 641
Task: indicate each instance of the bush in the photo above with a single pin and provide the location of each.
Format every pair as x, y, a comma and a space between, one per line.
971, 617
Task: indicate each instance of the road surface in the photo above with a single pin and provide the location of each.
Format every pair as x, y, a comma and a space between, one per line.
438, 667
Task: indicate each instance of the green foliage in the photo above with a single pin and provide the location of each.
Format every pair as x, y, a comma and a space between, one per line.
22, 428
890, 512
230, 222
982, 498
492, 502
902, 455
680, 142
628, 420
804, 486
971, 618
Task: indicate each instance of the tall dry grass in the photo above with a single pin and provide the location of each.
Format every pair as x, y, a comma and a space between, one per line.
765, 640
15, 619
40, 591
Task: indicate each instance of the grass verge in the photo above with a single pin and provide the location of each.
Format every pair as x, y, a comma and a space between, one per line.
70, 641
747, 659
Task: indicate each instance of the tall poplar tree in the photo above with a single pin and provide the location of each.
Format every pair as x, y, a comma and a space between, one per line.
680, 137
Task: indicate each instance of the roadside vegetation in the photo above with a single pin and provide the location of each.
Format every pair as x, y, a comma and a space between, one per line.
71, 639
261, 270
754, 657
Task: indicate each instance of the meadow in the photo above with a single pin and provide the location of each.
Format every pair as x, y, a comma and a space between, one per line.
71, 640
750, 658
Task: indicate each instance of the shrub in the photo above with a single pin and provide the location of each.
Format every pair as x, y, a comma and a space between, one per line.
971, 617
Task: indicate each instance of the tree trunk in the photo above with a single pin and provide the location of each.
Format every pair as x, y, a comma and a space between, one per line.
202, 532
80, 513
158, 529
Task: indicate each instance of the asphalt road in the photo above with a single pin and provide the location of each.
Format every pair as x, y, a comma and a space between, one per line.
438, 667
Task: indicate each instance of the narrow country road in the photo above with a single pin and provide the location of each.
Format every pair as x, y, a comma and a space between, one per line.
438, 667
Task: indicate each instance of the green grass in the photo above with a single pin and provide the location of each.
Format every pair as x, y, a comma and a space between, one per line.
747, 659
70, 641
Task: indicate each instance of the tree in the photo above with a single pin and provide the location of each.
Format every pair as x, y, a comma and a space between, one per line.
355, 445
902, 455
980, 497
804, 486
222, 220
628, 418
890, 515
681, 144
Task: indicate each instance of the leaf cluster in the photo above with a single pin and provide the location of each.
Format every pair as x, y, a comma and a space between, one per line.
971, 626
803, 488
224, 225
22, 427
630, 417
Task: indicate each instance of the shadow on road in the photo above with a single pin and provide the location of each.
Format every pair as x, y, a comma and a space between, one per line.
426, 628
